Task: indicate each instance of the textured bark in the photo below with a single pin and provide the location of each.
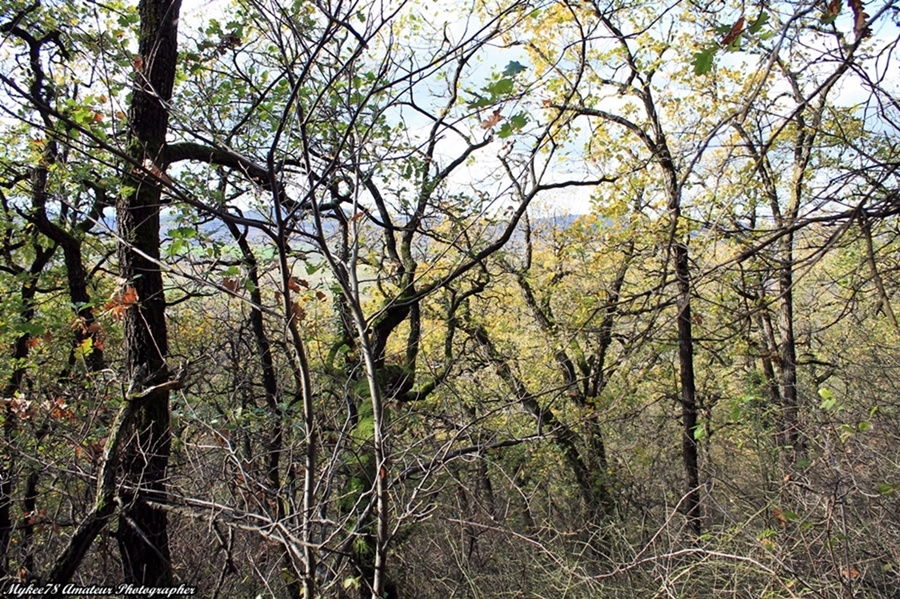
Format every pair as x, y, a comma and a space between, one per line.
788, 349
142, 533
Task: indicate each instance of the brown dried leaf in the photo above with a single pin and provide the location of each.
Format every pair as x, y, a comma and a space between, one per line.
120, 302
130, 296
492, 120
60, 410
860, 18
22, 408
735, 32
297, 285
232, 284
780, 517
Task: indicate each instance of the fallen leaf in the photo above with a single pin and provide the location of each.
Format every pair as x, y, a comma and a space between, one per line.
780, 517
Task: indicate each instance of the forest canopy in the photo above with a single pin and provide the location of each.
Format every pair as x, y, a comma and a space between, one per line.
483, 299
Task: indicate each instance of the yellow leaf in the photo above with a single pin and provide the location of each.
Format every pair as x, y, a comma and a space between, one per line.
84, 349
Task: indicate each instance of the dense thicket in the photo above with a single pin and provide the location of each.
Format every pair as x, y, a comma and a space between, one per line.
511, 299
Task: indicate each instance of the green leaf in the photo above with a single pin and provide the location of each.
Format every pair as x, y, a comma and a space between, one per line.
887, 489
735, 45
500, 88
828, 399
513, 68
518, 121
183, 233
177, 246
703, 60
30, 328
758, 24
847, 431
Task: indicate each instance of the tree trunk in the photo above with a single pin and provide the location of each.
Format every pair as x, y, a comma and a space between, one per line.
791, 438
689, 450
142, 533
